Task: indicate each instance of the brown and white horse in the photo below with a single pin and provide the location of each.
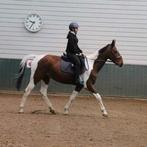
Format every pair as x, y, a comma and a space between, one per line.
45, 67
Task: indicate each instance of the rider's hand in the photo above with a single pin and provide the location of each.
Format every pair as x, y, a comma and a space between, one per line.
81, 54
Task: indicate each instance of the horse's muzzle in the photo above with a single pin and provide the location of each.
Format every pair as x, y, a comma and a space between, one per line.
120, 65
119, 62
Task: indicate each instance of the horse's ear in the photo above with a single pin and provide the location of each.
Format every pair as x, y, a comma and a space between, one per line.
113, 43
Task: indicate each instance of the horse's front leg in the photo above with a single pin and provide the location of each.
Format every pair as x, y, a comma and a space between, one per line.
91, 88
71, 98
99, 98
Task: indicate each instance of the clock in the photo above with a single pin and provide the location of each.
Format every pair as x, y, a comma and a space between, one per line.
33, 23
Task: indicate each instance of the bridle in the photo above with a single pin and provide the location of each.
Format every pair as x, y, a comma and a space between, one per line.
107, 60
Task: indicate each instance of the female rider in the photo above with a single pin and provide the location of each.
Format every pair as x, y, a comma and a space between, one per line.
73, 51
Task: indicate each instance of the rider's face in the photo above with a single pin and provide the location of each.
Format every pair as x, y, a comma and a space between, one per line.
76, 30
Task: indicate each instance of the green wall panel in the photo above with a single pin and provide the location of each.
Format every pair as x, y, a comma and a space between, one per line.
130, 80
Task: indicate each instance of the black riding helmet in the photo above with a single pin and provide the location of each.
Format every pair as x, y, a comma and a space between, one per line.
73, 26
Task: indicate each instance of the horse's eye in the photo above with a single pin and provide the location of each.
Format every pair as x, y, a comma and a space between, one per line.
114, 51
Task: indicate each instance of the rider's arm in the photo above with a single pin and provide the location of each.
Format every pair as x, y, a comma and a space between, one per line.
73, 44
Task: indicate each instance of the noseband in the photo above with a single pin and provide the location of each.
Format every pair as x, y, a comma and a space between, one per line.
118, 57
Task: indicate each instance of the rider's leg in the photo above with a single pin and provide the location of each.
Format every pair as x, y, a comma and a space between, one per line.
77, 65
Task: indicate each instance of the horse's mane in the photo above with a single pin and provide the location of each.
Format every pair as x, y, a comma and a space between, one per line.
102, 50
94, 55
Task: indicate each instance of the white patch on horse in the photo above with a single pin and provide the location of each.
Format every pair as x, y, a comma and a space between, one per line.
86, 74
34, 63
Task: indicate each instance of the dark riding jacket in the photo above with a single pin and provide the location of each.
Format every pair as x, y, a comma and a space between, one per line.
72, 44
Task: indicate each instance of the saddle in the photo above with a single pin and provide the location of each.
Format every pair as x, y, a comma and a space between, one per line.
68, 67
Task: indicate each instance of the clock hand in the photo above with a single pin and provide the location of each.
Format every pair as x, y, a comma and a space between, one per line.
31, 25
32, 21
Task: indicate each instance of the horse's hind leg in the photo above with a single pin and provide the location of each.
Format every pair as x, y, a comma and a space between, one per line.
43, 91
25, 95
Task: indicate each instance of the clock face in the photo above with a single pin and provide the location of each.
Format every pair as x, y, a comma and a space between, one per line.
33, 22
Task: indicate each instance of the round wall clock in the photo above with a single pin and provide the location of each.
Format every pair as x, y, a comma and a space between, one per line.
33, 22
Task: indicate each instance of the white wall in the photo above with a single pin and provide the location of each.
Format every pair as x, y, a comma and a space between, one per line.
100, 21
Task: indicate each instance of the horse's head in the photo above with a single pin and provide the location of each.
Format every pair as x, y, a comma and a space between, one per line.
110, 52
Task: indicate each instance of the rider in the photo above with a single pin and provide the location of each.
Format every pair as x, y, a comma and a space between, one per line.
73, 51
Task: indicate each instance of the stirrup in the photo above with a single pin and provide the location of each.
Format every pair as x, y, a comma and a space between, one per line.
79, 81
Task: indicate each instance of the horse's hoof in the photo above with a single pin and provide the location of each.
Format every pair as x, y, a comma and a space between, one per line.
66, 112
105, 115
52, 111
20, 111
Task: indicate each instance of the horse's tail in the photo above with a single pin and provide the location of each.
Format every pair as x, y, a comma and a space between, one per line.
22, 69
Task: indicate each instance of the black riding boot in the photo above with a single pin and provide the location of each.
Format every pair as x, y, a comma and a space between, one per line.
77, 66
77, 78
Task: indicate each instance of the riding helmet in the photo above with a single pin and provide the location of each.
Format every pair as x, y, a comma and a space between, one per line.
73, 25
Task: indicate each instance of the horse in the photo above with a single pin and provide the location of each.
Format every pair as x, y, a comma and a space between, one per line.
46, 67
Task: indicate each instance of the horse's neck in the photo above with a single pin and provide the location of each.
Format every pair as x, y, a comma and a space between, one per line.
94, 67
97, 66
98, 62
